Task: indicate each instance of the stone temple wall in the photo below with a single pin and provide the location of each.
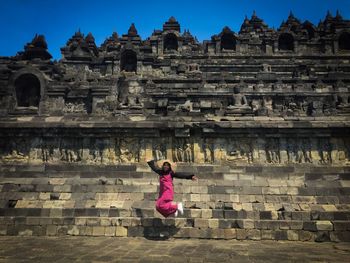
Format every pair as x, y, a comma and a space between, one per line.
262, 115
226, 147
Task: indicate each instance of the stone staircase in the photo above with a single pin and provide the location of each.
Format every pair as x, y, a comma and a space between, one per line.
299, 202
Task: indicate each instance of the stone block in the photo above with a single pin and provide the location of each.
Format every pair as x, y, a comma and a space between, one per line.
93, 221
201, 223
322, 236
267, 235
296, 225
195, 213
309, 226
245, 223
85, 230
253, 234
341, 225
306, 235
241, 234
293, 235
324, 225
80, 221
229, 233
110, 231
207, 213
218, 213
105, 222
225, 223
135, 231
340, 236
98, 231
213, 223
281, 235
33, 221
73, 231
62, 230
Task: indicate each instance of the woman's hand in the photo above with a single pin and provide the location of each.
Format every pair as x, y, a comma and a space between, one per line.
194, 178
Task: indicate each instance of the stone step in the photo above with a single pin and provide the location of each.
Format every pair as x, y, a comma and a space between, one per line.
283, 203
311, 230
202, 175
188, 213
297, 195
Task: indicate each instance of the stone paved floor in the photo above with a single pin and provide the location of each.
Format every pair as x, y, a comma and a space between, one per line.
105, 249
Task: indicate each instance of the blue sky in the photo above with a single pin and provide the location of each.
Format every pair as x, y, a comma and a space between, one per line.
59, 19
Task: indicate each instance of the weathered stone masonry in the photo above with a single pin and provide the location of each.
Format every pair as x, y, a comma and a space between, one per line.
263, 114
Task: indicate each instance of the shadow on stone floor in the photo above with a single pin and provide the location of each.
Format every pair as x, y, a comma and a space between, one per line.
160, 231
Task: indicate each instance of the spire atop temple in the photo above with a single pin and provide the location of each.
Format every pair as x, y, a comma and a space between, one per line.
171, 24
37, 48
172, 20
329, 15
254, 14
338, 15
132, 30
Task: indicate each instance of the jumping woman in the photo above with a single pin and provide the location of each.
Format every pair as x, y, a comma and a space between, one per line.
165, 204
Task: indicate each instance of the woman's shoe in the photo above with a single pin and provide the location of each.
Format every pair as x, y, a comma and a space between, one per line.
180, 208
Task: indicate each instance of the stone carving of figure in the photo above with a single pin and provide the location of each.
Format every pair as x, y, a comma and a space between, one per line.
304, 152
246, 150
325, 149
238, 99
131, 96
188, 156
266, 68
182, 151
266, 108
16, 151
47, 150
239, 151
272, 150
315, 108
238, 102
342, 101
97, 153
70, 151
179, 155
186, 107
268, 103
127, 150
291, 151
159, 152
208, 150
74, 107
256, 105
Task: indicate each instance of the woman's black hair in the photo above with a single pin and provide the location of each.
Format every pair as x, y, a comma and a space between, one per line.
167, 164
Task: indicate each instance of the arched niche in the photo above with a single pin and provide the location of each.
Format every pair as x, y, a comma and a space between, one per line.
128, 61
286, 42
228, 42
28, 90
170, 42
344, 41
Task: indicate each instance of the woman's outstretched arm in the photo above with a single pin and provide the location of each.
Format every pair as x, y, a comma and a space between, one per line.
153, 167
188, 176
